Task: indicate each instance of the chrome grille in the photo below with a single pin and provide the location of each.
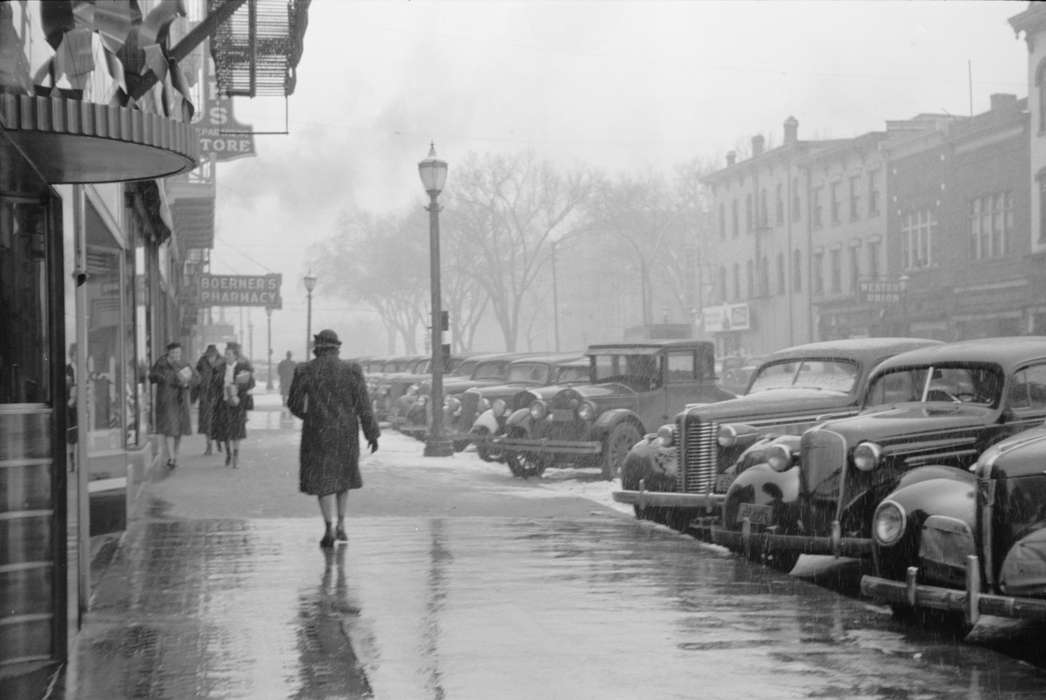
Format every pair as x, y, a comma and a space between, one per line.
697, 454
822, 456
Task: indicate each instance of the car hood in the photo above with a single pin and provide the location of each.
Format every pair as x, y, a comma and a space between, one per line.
905, 420
1016, 456
765, 404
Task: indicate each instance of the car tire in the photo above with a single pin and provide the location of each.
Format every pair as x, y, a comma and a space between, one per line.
616, 447
524, 466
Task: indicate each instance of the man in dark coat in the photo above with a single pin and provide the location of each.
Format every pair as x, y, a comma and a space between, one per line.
174, 378
285, 370
330, 396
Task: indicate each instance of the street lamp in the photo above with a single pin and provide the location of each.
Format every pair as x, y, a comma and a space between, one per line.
310, 284
433, 174
555, 298
268, 333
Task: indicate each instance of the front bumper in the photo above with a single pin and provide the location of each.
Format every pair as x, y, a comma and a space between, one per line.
834, 545
547, 446
669, 499
970, 601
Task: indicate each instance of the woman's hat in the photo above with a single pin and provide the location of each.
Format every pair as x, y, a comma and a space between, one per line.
235, 347
212, 348
326, 339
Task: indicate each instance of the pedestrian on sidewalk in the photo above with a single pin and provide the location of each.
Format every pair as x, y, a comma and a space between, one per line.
206, 392
174, 379
330, 396
229, 423
285, 370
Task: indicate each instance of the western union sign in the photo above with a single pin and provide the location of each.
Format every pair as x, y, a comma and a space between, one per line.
241, 290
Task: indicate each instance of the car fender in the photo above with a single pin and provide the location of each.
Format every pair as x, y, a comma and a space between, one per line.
487, 421
608, 420
762, 485
645, 462
519, 422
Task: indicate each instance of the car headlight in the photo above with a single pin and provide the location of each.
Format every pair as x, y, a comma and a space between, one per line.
666, 435
586, 411
538, 410
779, 457
889, 523
484, 405
726, 436
498, 407
867, 456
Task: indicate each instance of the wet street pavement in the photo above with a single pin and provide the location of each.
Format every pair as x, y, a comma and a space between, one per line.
461, 582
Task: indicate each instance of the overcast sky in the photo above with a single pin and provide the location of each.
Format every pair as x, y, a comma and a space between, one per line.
616, 85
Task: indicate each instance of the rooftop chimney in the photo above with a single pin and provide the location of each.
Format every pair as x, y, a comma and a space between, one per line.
757, 145
791, 131
731, 158
1002, 101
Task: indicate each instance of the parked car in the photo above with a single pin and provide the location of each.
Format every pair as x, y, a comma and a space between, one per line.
380, 382
488, 407
940, 405
972, 541
735, 378
487, 370
634, 387
399, 391
790, 391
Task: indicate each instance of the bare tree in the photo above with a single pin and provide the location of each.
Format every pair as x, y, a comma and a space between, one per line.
509, 209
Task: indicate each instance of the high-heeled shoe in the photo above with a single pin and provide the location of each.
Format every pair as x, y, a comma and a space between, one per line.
340, 537
208, 452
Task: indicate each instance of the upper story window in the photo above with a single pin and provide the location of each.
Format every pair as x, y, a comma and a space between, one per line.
764, 277
780, 204
855, 197
1040, 88
917, 233
991, 225
873, 259
797, 271
737, 281
733, 218
873, 192
834, 188
797, 202
750, 278
722, 220
815, 208
817, 273
855, 270
782, 276
764, 219
835, 257
748, 213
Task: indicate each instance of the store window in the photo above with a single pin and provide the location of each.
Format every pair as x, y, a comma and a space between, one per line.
24, 369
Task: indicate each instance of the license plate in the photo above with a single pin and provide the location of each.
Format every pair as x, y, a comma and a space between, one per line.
758, 515
723, 481
562, 414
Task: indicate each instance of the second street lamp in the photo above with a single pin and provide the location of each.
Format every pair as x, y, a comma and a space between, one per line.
433, 174
310, 284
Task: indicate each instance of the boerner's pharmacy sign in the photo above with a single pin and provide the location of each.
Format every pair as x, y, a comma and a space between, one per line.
240, 290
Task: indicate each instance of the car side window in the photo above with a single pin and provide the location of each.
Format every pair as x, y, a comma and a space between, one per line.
1028, 389
680, 367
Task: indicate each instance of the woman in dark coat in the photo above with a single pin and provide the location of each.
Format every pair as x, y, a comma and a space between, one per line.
207, 393
174, 378
234, 377
330, 396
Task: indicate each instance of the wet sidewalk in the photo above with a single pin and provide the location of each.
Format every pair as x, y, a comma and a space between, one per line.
490, 608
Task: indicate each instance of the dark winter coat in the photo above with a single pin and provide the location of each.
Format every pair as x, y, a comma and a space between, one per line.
330, 396
230, 422
207, 392
172, 397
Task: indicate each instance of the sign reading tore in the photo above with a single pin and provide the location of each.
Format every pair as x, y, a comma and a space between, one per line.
241, 290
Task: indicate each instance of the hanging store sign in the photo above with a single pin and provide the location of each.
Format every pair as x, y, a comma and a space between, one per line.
240, 290
725, 318
222, 137
882, 291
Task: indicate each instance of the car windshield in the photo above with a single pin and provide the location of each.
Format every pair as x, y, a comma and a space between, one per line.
956, 383
567, 375
825, 375
490, 370
530, 372
617, 367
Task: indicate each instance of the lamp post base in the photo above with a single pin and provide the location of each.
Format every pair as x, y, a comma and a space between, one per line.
438, 448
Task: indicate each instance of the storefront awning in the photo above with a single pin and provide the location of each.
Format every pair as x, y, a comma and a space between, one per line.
75, 142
